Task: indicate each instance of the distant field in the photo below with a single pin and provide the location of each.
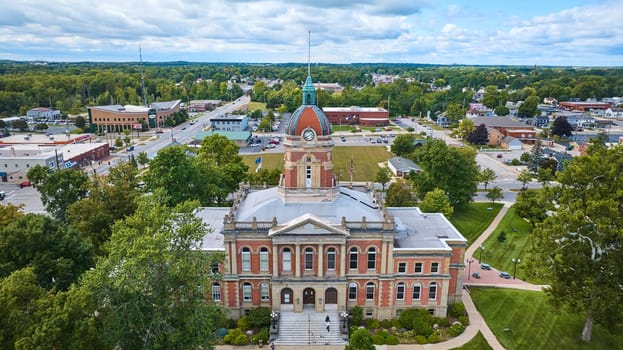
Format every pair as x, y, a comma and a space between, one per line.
365, 161
256, 105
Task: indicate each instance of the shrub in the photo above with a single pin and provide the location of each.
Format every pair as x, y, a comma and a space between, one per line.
457, 309
456, 330
241, 340
386, 324
410, 129
357, 315
464, 320
259, 317
261, 335
231, 336
383, 334
373, 323
396, 323
515, 162
243, 323
422, 327
408, 317
378, 339
392, 340
441, 321
433, 338
420, 339
502, 236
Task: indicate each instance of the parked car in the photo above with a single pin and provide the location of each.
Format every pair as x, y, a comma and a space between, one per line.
476, 275
274, 142
505, 274
2, 195
343, 138
271, 145
25, 184
485, 266
500, 155
130, 148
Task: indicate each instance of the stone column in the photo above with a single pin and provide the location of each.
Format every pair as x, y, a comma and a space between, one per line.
320, 260
275, 261
297, 258
343, 260
233, 258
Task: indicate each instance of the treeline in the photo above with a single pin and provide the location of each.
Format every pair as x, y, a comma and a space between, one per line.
70, 87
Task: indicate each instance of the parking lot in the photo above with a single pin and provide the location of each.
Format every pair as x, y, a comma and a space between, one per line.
29, 197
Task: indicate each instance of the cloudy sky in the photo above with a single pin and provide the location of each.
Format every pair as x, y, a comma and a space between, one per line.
527, 32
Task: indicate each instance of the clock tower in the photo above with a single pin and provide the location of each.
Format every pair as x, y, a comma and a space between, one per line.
308, 172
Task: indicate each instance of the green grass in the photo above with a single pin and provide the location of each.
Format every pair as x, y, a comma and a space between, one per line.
365, 161
256, 105
472, 220
534, 324
517, 245
477, 343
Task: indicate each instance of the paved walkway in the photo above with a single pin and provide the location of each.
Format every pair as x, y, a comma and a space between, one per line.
477, 324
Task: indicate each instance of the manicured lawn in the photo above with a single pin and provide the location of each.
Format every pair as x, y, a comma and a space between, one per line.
517, 245
365, 161
533, 324
472, 220
477, 343
256, 105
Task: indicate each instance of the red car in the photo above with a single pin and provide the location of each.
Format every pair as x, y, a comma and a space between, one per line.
25, 184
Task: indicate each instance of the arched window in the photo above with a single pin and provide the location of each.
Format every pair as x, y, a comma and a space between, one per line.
309, 259
370, 291
216, 291
417, 291
400, 291
265, 291
286, 260
246, 259
371, 258
264, 259
331, 259
353, 258
352, 291
246, 292
432, 291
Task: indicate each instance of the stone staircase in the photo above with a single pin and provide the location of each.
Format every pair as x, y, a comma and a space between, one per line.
309, 328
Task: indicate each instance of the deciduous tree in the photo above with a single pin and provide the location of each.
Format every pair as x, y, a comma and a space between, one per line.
454, 170
400, 194
151, 288
383, 176
436, 201
561, 127
487, 175
62, 188
580, 243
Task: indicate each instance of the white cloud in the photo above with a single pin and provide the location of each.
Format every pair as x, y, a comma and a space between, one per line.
276, 31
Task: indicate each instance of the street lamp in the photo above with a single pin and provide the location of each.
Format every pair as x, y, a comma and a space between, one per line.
515, 262
480, 256
469, 269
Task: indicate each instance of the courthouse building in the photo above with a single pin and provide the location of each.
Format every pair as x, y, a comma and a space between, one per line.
311, 245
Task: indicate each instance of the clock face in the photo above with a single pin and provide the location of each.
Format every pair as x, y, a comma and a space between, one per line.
308, 135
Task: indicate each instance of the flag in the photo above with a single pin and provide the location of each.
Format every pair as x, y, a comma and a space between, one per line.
258, 163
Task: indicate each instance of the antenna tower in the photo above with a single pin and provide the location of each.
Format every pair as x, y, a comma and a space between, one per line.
140, 57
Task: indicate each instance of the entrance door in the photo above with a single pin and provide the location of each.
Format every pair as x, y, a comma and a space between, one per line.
286, 296
330, 296
309, 296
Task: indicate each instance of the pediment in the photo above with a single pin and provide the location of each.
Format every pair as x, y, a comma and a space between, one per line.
308, 224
